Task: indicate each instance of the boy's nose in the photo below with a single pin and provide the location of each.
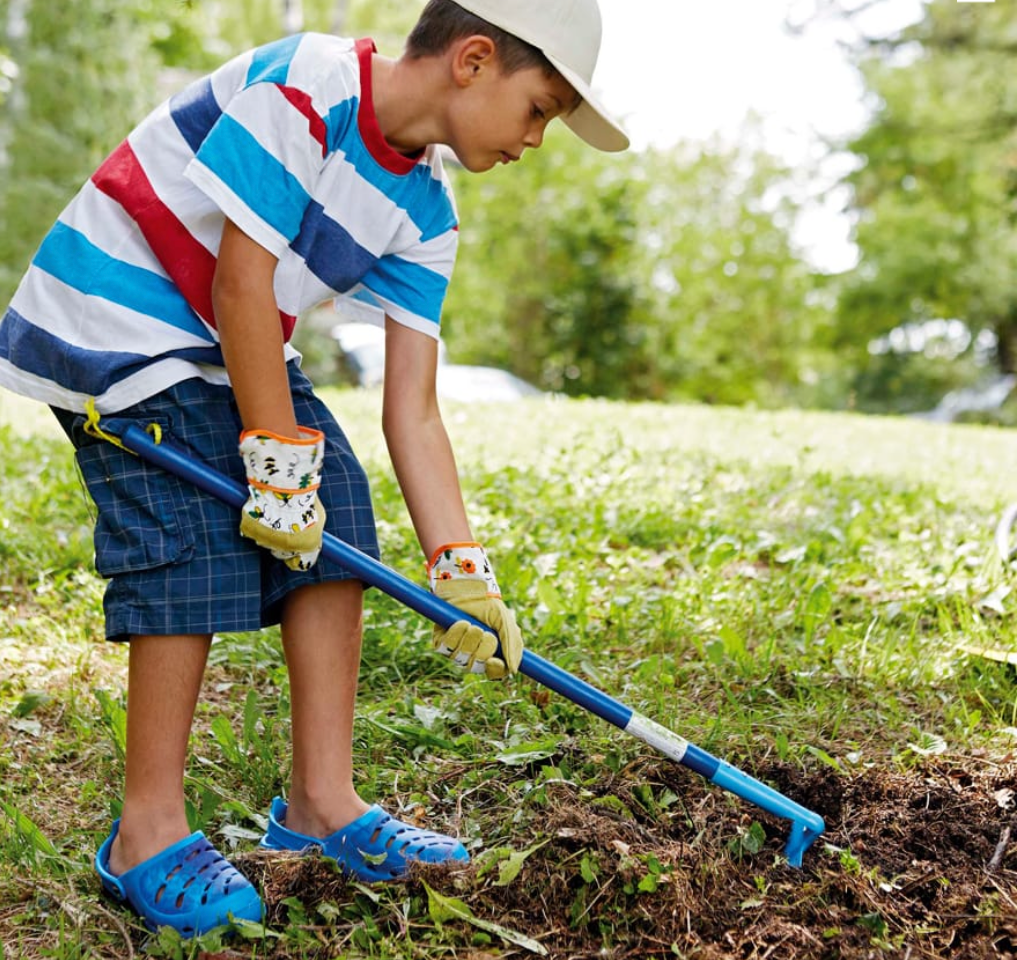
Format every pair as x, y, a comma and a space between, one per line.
534, 138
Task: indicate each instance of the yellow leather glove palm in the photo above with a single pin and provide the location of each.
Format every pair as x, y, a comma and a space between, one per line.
471, 647
462, 575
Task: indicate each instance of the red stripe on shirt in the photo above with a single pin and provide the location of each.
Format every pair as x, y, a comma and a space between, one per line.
190, 265
302, 102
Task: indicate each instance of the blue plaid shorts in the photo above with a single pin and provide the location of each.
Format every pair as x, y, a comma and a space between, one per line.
174, 557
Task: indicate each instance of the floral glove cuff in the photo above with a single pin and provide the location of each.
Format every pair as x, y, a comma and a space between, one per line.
283, 512
462, 561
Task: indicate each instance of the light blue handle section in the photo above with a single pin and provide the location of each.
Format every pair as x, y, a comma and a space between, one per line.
806, 826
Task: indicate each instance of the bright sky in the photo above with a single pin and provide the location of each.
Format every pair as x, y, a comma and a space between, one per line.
686, 69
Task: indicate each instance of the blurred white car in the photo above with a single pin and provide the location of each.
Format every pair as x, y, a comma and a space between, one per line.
362, 354
985, 397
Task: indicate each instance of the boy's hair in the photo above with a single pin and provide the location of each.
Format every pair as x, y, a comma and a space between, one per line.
443, 22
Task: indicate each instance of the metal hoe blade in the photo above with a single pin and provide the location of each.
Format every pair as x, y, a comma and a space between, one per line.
806, 826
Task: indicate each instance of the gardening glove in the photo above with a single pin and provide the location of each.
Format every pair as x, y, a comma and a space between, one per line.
283, 512
461, 574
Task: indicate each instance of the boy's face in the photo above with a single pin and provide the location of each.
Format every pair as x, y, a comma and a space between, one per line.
498, 115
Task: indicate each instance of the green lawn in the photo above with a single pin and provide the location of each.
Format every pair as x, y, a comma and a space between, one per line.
790, 591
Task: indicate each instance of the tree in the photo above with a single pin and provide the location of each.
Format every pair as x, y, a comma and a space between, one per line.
936, 189
737, 318
546, 283
73, 90
663, 274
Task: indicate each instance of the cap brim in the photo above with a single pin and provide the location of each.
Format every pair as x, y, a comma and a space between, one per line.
590, 121
598, 130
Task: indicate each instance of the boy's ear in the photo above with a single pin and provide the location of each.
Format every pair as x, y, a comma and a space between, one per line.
471, 56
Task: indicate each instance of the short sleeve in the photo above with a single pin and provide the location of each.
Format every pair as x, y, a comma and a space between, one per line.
260, 160
411, 286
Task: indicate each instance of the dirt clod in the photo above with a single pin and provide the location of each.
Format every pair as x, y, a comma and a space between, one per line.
910, 866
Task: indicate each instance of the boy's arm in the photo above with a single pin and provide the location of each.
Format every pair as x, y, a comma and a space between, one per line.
421, 453
283, 461
417, 441
247, 317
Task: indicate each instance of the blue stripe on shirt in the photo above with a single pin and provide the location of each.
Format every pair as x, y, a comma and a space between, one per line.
70, 257
413, 287
329, 251
338, 121
422, 196
260, 181
271, 62
195, 111
92, 372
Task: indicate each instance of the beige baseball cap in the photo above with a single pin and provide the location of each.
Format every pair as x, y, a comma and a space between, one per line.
568, 33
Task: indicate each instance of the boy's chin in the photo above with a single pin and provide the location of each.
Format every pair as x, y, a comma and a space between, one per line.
478, 164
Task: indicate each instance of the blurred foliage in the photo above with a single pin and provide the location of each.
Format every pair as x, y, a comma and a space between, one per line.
936, 194
662, 275
738, 311
70, 90
387, 22
908, 383
546, 283
666, 275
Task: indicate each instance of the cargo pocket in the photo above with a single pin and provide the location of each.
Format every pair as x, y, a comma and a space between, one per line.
139, 525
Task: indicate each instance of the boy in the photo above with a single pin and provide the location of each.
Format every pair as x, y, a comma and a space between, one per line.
166, 294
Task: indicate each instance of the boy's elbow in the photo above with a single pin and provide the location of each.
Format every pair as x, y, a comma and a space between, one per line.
396, 421
406, 414
228, 287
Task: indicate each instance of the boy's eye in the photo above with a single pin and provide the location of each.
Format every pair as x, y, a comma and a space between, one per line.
538, 113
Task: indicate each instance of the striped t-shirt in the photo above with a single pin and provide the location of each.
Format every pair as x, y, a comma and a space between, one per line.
283, 140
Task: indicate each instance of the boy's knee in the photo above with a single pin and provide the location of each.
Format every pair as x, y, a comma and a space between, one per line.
340, 601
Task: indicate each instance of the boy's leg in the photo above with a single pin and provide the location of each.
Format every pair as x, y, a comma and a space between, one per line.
322, 627
164, 679
321, 631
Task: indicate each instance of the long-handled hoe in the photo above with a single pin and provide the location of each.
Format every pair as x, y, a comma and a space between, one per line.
806, 826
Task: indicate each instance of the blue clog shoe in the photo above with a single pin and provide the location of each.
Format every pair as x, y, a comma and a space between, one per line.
189, 886
375, 847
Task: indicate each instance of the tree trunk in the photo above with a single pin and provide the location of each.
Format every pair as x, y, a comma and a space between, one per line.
293, 16
340, 14
1006, 344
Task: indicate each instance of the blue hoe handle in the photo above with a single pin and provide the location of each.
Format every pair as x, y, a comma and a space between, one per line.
806, 825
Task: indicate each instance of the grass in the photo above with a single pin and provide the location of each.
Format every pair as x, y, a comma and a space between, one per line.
780, 588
